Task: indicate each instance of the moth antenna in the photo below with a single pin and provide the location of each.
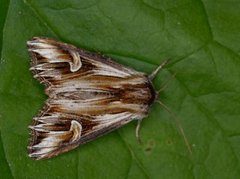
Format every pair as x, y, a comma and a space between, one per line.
156, 71
166, 83
137, 131
178, 124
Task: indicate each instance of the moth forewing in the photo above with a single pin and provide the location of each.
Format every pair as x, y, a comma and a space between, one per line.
89, 96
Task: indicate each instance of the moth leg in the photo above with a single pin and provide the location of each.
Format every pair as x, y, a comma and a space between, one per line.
156, 71
137, 131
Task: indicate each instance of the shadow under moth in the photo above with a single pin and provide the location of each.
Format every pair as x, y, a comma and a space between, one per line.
89, 96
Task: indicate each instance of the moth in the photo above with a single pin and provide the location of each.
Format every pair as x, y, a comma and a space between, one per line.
89, 95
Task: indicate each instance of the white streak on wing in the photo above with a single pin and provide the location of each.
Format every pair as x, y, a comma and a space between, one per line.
43, 126
114, 117
43, 45
43, 152
73, 88
109, 119
38, 129
76, 86
52, 55
41, 67
52, 140
73, 85
136, 80
110, 73
50, 120
50, 73
112, 70
53, 115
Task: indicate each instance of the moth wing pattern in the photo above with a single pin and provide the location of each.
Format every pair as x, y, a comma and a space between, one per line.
89, 95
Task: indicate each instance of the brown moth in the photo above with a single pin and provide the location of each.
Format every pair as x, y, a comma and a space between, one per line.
89, 96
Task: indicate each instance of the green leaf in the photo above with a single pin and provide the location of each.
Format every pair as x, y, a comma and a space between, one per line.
201, 38
3, 13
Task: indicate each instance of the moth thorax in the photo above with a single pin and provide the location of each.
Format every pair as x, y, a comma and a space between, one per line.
139, 95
